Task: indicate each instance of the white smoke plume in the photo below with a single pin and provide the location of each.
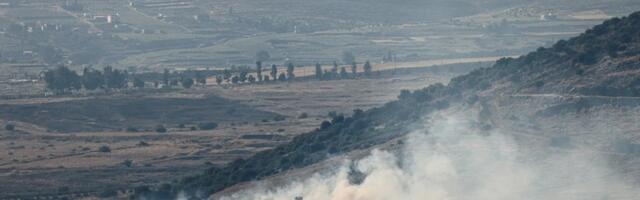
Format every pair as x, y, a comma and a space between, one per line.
450, 160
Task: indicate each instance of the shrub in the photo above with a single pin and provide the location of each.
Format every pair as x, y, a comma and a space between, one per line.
127, 163
132, 129
325, 125
104, 149
278, 118
161, 129
9, 127
207, 126
303, 116
143, 144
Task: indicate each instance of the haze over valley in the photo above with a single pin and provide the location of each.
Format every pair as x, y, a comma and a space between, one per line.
319, 100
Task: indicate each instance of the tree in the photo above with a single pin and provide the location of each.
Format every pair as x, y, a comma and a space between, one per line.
274, 71
367, 69
207, 126
290, 69
243, 75
165, 77
187, 82
318, 71
348, 57
252, 79
173, 82
282, 77
262, 56
235, 79
201, 78
114, 78
92, 79
161, 129
104, 149
9, 127
354, 69
62, 79
138, 82
219, 80
227, 75
343, 73
326, 75
259, 70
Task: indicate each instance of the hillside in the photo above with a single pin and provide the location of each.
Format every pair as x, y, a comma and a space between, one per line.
603, 61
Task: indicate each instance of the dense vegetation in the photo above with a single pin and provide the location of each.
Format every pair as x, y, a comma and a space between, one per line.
582, 56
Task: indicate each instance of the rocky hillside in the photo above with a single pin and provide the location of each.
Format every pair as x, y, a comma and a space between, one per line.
604, 61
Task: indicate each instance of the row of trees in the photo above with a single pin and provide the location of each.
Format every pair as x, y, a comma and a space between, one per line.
63, 80
244, 76
343, 74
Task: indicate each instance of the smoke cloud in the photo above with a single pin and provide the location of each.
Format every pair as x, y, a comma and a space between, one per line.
452, 160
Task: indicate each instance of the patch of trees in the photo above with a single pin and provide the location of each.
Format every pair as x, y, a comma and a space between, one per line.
63, 80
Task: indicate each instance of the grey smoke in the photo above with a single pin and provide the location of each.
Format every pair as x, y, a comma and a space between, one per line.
452, 160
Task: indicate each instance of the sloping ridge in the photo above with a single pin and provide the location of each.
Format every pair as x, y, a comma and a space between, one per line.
603, 61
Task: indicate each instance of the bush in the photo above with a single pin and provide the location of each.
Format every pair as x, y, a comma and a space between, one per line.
9, 127
278, 118
127, 163
161, 129
325, 125
143, 144
132, 129
104, 149
303, 116
207, 126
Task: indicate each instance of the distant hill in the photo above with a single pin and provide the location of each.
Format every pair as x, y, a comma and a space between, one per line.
602, 61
